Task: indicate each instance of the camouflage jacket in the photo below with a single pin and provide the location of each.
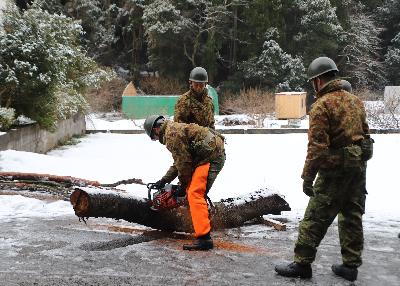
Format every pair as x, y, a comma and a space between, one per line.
337, 120
191, 145
191, 108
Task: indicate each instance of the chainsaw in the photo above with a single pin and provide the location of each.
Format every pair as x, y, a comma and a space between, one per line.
166, 198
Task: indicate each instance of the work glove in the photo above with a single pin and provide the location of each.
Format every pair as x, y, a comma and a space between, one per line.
180, 196
180, 191
160, 184
308, 188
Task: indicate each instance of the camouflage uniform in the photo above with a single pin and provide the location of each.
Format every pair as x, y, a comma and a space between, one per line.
193, 108
337, 124
192, 145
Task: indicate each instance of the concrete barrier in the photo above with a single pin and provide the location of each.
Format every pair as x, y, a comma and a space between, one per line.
32, 138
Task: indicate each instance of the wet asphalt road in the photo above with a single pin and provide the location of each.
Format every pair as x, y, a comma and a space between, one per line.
64, 251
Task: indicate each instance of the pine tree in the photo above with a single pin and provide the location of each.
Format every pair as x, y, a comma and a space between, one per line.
274, 69
189, 30
320, 32
361, 59
392, 60
389, 12
389, 15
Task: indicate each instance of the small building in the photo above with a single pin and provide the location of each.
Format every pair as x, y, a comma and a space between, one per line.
290, 105
391, 99
130, 90
140, 106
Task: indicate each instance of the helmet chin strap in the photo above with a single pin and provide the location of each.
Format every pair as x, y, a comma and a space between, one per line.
196, 93
315, 85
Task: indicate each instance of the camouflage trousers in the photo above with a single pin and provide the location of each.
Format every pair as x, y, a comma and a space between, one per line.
339, 193
216, 166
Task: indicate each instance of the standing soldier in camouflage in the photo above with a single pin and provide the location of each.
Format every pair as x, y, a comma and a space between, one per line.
199, 156
196, 106
338, 148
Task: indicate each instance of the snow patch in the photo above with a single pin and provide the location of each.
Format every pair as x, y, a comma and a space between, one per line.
262, 193
21, 207
104, 191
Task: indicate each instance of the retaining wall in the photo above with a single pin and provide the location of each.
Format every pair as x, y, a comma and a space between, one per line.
32, 138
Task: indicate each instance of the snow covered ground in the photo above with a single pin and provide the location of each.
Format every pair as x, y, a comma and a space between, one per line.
272, 161
114, 121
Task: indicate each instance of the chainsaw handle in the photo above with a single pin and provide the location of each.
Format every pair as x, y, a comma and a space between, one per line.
150, 186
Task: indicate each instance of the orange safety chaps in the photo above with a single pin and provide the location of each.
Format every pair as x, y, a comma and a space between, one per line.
196, 192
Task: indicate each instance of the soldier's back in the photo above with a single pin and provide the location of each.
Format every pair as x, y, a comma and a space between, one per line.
346, 116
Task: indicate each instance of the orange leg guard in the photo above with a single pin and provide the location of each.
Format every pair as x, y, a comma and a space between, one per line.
197, 202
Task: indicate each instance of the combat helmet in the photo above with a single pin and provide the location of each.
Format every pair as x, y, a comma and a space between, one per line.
198, 74
346, 85
151, 122
320, 66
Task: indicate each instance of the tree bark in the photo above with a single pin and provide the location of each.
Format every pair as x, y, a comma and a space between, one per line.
229, 213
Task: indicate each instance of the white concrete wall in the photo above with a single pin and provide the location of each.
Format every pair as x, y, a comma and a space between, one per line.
3, 4
392, 99
31, 138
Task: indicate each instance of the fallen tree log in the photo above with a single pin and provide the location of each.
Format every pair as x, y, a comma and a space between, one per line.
58, 187
92, 199
66, 181
233, 212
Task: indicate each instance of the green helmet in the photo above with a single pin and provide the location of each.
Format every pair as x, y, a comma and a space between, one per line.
346, 85
320, 66
150, 122
198, 74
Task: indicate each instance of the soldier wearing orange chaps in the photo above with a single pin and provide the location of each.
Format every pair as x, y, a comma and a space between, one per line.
196, 194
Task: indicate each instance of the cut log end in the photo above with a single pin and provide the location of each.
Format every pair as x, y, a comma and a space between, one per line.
80, 201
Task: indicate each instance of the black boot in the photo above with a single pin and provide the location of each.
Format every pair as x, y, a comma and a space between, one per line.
294, 269
204, 242
346, 272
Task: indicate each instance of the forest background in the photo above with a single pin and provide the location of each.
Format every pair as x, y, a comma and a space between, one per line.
244, 45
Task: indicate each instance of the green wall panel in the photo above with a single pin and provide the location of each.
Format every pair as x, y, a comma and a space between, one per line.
141, 106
